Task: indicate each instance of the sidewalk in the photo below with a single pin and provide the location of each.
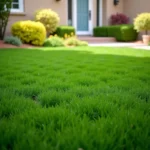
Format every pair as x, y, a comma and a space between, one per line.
122, 44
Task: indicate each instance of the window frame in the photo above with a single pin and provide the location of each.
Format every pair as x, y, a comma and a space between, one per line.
20, 9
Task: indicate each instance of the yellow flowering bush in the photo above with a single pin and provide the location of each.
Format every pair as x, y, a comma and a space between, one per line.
73, 41
49, 18
29, 32
67, 40
66, 36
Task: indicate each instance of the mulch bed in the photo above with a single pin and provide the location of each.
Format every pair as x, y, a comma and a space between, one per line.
5, 45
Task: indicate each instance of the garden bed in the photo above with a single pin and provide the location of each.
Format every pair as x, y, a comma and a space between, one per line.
5, 45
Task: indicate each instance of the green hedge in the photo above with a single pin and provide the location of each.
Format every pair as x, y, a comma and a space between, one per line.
62, 30
128, 33
100, 31
120, 32
113, 30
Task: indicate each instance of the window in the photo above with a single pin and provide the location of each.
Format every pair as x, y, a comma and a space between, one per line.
17, 6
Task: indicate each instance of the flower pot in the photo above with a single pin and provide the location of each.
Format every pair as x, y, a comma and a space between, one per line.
146, 39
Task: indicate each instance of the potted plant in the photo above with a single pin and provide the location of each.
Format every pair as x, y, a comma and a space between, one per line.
142, 23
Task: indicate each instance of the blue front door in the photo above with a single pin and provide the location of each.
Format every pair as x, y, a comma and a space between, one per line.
82, 15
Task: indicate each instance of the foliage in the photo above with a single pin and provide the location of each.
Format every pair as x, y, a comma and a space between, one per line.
73, 41
5, 6
62, 31
49, 18
120, 32
82, 43
29, 32
53, 42
13, 40
119, 18
127, 33
94, 98
112, 30
142, 22
100, 31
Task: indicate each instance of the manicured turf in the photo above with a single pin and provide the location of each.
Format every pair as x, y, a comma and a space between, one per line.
71, 98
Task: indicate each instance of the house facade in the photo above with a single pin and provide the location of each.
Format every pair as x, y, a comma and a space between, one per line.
84, 15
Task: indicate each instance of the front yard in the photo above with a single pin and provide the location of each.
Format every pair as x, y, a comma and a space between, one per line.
74, 98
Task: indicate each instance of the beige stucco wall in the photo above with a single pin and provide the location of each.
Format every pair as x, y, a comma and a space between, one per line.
134, 7
30, 6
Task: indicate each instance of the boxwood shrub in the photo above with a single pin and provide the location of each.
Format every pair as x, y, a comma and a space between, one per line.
62, 30
100, 31
120, 32
126, 33
112, 30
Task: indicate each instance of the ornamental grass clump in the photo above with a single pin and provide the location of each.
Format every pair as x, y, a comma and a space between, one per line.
49, 18
142, 22
13, 40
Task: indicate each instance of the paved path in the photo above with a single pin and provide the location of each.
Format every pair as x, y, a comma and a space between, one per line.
120, 44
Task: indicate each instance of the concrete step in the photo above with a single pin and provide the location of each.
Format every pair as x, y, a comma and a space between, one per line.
91, 39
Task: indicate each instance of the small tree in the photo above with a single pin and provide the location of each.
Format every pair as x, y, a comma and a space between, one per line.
5, 6
142, 22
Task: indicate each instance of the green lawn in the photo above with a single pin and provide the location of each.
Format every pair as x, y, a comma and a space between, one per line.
71, 98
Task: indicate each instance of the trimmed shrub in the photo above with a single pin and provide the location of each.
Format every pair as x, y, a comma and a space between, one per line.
112, 30
119, 18
53, 42
100, 31
142, 22
65, 30
127, 33
122, 32
29, 32
49, 18
13, 40
75, 42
